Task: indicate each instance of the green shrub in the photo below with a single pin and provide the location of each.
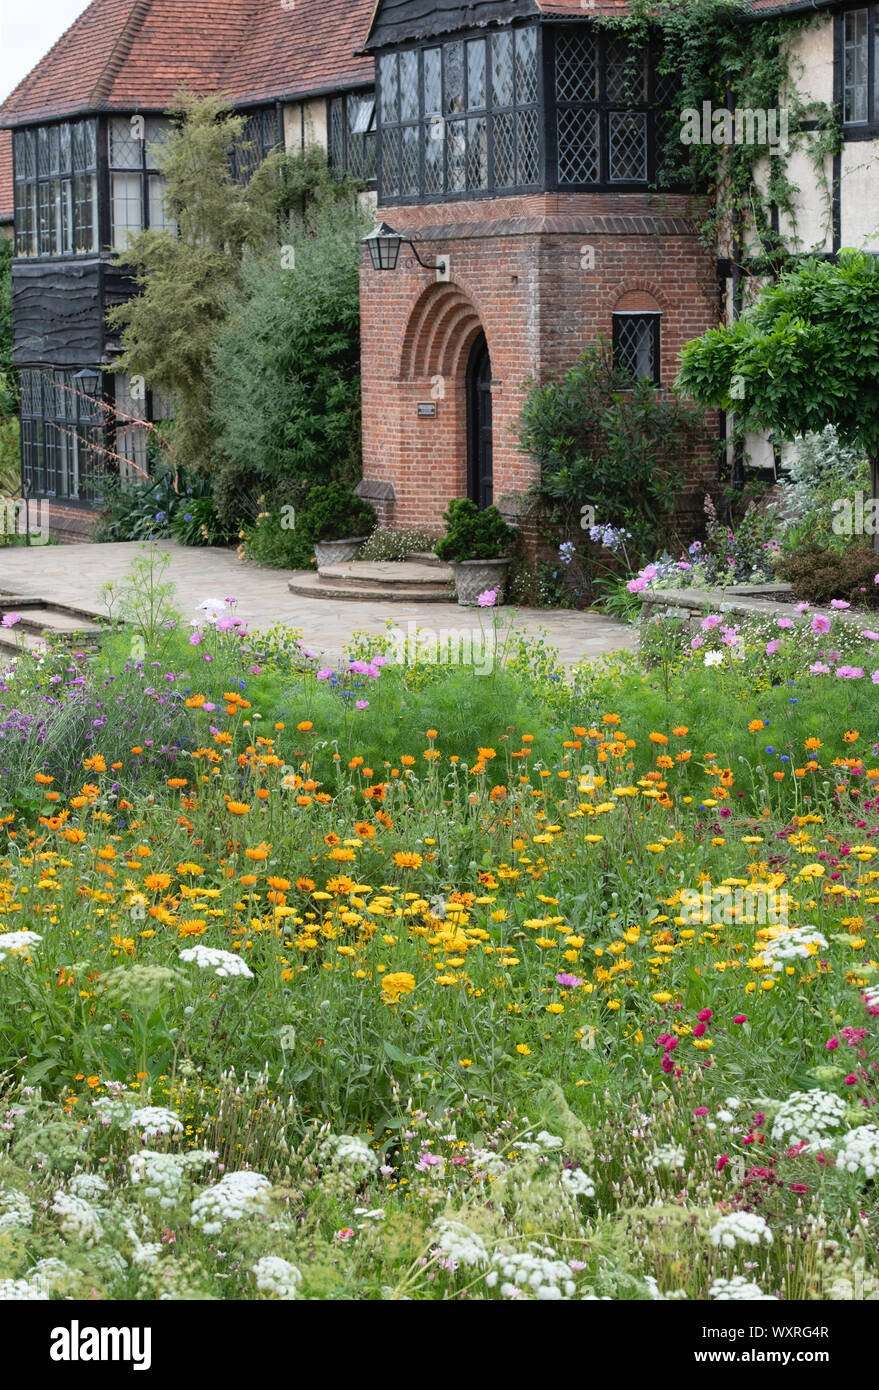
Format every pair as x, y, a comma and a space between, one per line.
10, 459
819, 575
604, 439
334, 512
472, 534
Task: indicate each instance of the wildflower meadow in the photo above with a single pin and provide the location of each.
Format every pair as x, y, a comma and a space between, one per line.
386, 980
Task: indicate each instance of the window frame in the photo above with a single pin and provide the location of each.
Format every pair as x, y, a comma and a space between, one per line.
654, 316
145, 172
56, 444
465, 114
246, 162
606, 105
868, 128
57, 143
338, 147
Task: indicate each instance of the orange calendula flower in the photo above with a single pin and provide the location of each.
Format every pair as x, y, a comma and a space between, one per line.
680, 730
305, 726
658, 738
406, 859
756, 725
397, 984
260, 851
305, 885
237, 808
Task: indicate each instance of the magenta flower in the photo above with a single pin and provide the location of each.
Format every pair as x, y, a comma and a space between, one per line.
721, 1163
832, 1044
771, 648
740, 1018
820, 623
363, 704
705, 1015
839, 603
488, 598
196, 638
569, 981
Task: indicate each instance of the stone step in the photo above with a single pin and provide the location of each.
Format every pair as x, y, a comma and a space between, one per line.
10, 643
371, 574
314, 586
49, 619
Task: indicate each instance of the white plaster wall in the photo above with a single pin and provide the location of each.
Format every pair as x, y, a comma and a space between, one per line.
859, 195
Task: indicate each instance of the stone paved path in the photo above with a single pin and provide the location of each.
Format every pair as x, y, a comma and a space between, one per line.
74, 574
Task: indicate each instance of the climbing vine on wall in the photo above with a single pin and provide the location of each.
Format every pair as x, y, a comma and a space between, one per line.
719, 56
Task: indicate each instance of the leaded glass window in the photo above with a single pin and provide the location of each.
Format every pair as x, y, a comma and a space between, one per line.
616, 111
62, 436
461, 116
137, 189
56, 191
856, 66
636, 345
352, 147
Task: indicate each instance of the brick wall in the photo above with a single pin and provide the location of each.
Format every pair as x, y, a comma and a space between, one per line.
541, 276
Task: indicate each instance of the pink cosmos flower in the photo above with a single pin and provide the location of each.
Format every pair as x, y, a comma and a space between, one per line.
771, 648
488, 598
820, 623
819, 669
839, 603
785, 622
711, 621
801, 607
363, 704
10, 619
569, 981
196, 638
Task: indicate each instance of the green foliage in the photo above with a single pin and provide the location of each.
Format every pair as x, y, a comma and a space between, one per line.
473, 534
334, 512
713, 56
285, 371
170, 502
819, 574
806, 356
10, 458
604, 439
170, 326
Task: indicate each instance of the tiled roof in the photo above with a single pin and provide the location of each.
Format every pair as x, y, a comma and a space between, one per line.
127, 55
139, 54
5, 176
307, 48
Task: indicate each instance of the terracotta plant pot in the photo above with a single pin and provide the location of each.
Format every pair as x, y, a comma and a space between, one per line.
473, 577
338, 552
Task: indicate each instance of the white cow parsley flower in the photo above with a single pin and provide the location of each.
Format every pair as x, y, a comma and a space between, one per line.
224, 964
799, 944
77, 1218
744, 1226
17, 940
667, 1156
163, 1174
808, 1116
15, 1209
277, 1276
457, 1243
858, 1151
235, 1197
577, 1183
89, 1186
151, 1120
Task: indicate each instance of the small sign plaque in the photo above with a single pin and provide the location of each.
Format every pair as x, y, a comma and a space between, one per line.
427, 410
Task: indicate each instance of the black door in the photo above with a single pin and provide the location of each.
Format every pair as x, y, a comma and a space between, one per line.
479, 452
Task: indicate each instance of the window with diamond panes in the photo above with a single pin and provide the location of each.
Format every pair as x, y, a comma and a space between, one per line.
460, 117
352, 147
260, 135
137, 189
56, 197
636, 345
614, 109
62, 436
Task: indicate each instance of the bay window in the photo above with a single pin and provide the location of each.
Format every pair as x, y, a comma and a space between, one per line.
56, 189
460, 117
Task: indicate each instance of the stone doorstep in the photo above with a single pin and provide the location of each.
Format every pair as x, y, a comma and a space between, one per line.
41, 618
313, 586
392, 572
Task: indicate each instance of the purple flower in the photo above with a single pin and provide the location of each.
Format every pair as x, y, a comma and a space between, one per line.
488, 598
10, 619
569, 981
196, 637
363, 704
839, 603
